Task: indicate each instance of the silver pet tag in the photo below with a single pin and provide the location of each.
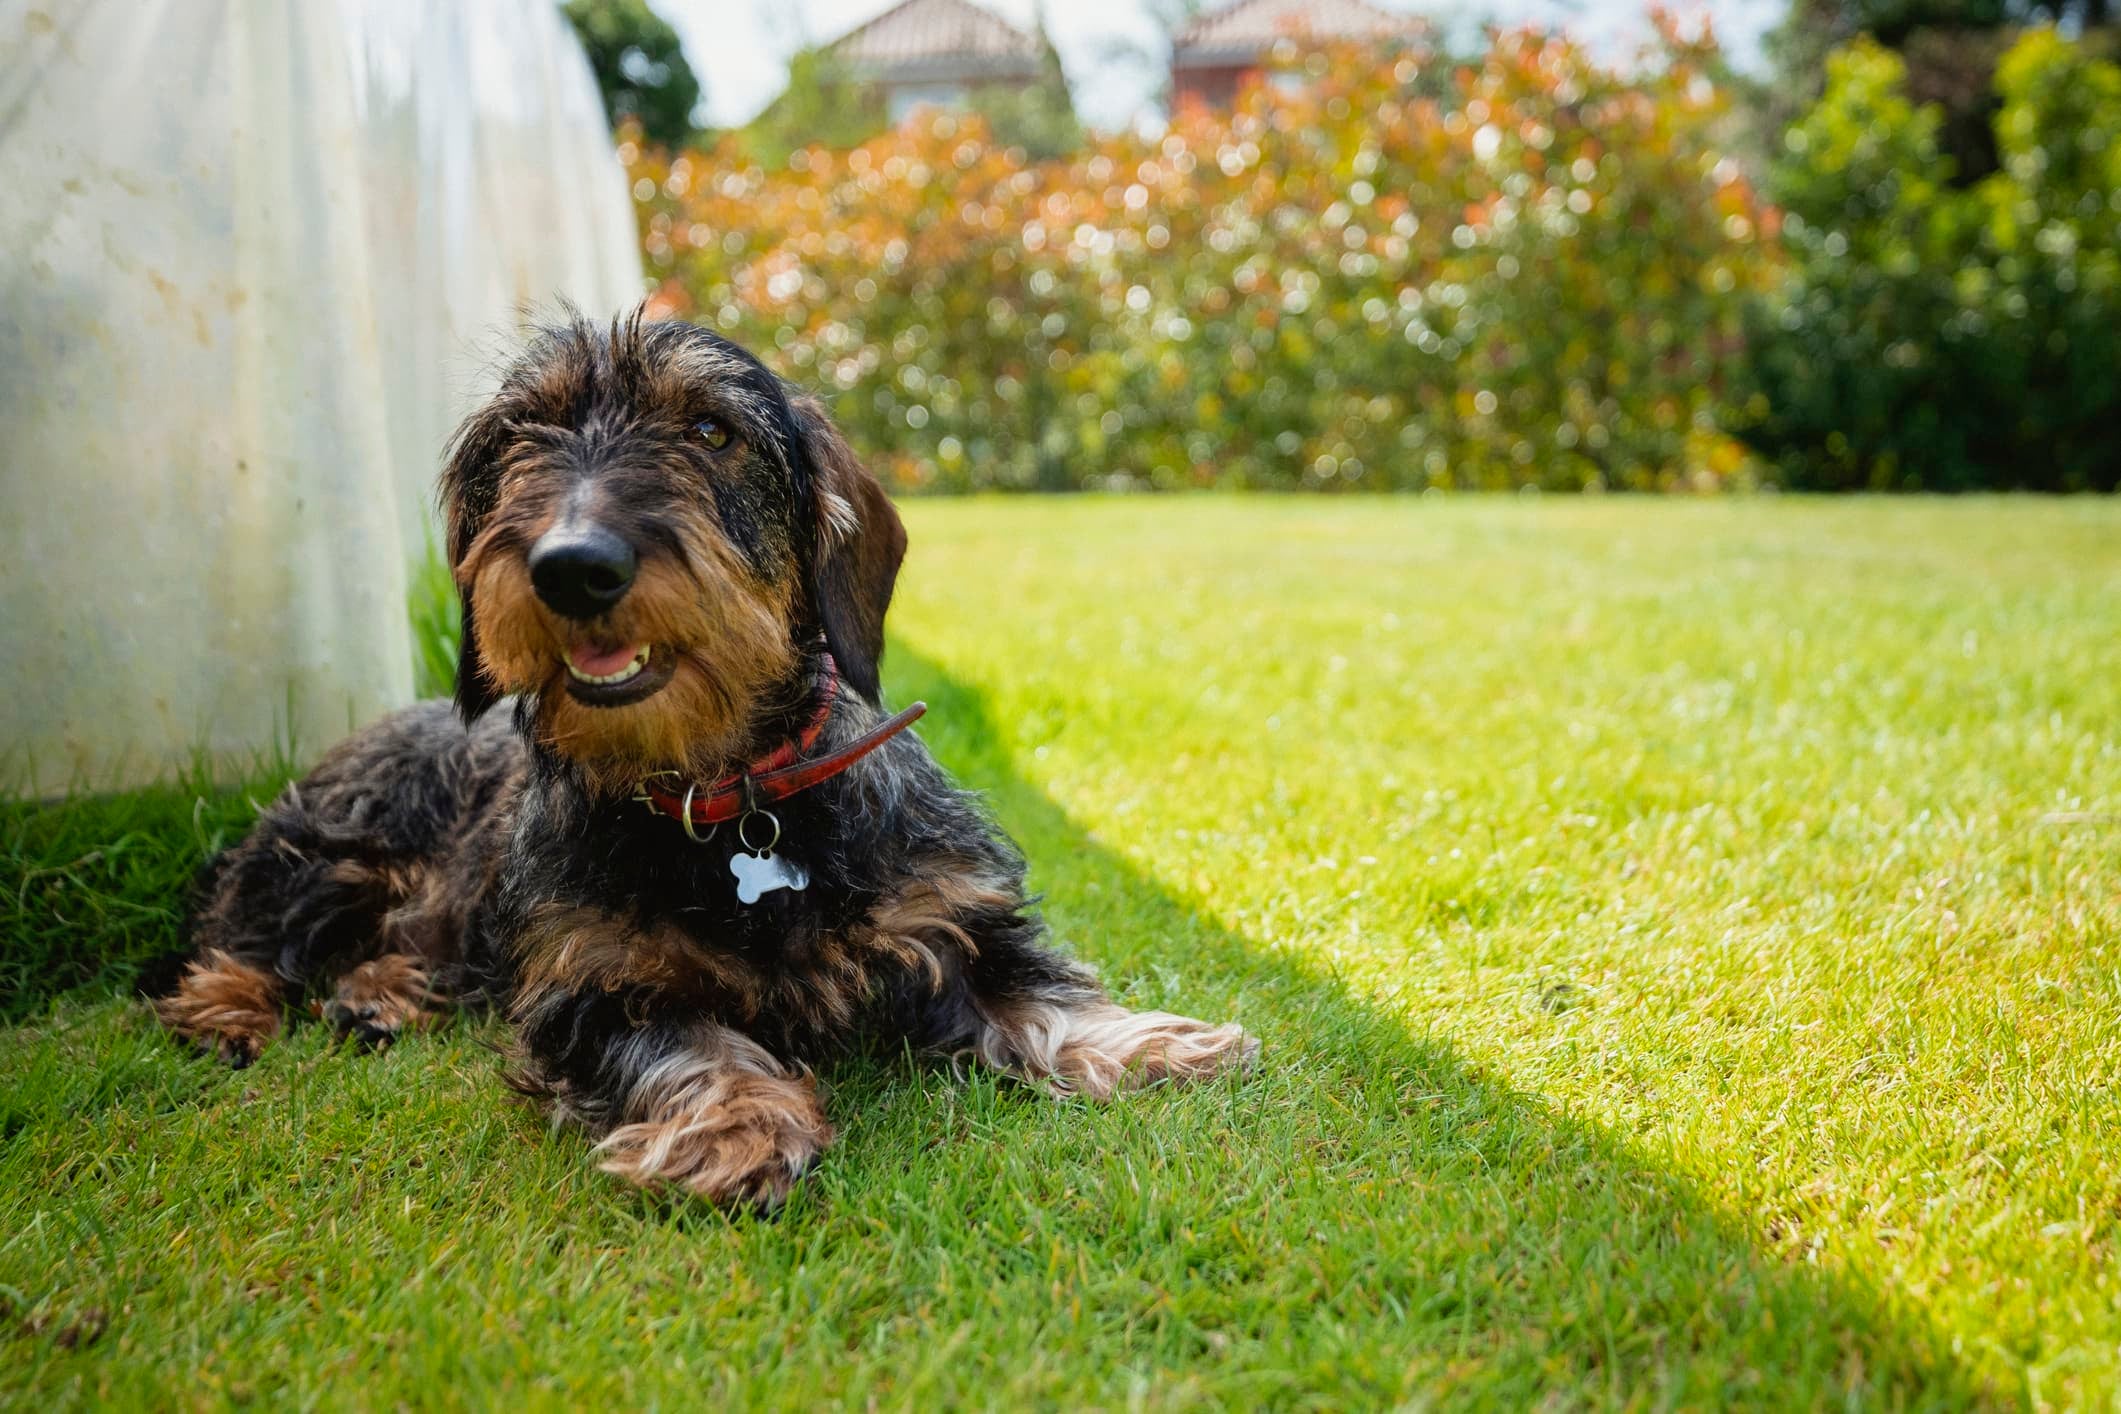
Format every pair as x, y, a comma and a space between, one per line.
762, 873
760, 870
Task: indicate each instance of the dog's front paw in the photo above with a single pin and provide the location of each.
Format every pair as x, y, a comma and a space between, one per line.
1098, 1049
1131, 1050
378, 1000
226, 1008
742, 1140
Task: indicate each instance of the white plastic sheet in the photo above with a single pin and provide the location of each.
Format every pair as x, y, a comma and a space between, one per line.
256, 258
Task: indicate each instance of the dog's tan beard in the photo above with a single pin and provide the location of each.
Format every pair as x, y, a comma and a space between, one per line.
730, 636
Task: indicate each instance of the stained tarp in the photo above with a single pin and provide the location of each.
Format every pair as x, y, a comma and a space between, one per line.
255, 261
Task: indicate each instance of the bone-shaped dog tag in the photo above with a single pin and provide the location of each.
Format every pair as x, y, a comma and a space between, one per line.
758, 874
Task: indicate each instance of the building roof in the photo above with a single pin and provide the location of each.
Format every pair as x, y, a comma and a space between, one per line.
1242, 31
918, 41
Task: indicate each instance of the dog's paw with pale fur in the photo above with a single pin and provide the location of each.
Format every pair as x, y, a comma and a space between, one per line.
741, 1140
1135, 1050
1098, 1050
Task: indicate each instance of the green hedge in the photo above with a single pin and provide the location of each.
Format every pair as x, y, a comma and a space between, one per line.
1528, 270
1524, 270
1934, 337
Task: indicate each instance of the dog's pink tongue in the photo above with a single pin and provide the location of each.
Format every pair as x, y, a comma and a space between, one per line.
600, 663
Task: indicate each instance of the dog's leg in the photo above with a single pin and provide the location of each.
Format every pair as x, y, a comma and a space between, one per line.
281, 916
406, 986
714, 1114
230, 997
687, 1104
380, 998
224, 1005
1028, 1010
364, 874
1078, 1041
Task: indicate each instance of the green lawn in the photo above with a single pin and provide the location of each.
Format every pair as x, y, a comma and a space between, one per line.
1686, 936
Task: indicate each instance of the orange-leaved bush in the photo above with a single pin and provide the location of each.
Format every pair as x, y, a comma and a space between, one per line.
1343, 283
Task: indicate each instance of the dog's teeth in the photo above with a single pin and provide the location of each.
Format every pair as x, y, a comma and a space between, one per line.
632, 669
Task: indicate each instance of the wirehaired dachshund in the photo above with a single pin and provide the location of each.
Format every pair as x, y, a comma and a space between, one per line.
667, 824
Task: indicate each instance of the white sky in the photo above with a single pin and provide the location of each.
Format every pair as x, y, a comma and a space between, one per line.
740, 48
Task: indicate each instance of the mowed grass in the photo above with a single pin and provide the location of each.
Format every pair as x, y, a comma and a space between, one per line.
1684, 936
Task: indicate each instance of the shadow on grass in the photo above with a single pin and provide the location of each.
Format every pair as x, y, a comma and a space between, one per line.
93, 886
1446, 1233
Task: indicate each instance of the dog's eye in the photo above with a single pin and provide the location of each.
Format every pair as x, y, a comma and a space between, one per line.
714, 434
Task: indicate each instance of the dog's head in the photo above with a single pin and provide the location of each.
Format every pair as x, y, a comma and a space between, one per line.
646, 529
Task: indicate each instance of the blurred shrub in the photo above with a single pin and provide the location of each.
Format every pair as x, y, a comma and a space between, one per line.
1539, 280
1947, 338
820, 106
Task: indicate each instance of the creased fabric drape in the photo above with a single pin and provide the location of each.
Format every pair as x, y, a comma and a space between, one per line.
256, 258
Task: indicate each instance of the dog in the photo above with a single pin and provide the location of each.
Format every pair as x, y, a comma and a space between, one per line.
666, 824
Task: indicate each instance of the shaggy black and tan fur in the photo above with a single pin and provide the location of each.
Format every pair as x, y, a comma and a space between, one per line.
497, 851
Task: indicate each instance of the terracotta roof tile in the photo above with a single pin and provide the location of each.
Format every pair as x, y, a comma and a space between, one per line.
923, 39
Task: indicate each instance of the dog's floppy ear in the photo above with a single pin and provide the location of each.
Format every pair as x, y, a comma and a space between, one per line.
467, 494
860, 542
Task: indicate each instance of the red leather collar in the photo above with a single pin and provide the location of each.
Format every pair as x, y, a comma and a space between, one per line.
779, 775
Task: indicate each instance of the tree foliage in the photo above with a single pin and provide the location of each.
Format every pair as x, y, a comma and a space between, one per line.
1942, 337
640, 67
820, 106
1951, 49
1038, 117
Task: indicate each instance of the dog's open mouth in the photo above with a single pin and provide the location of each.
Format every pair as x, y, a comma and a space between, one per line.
612, 677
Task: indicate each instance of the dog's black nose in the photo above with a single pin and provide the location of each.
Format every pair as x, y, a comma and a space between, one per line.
581, 570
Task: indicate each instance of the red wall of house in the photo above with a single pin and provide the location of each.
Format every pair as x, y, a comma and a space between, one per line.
1214, 88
